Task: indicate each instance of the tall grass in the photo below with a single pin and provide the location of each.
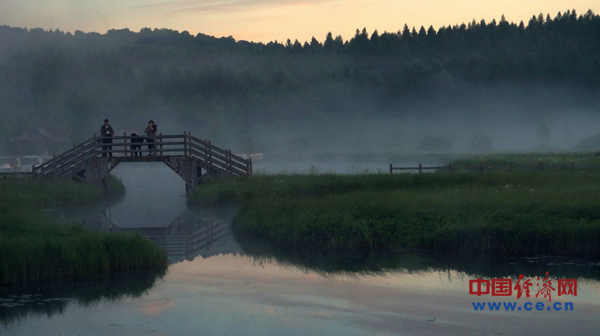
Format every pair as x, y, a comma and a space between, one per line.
531, 159
519, 213
33, 248
37, 194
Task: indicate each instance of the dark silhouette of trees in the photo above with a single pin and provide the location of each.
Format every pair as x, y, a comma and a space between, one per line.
49, 74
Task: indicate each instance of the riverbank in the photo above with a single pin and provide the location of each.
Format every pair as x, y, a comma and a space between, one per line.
35, 248
518, 213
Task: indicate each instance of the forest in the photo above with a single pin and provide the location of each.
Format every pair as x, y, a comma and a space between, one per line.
250, 95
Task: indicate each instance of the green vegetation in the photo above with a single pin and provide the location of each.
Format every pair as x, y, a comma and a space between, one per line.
35, 194
531, 159
34, 248
519, 213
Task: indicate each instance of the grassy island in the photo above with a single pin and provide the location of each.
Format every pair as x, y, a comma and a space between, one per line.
34, 248
512, 213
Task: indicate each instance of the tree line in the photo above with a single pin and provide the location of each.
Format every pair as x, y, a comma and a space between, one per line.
64, 80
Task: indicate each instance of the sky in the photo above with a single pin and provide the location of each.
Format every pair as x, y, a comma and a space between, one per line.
269, 20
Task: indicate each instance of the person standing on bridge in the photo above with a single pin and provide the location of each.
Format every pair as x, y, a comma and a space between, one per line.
106, 132
150, 134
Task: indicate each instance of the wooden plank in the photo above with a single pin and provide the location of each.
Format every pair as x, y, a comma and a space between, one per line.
67, 163
222, 158
66, 160
129, 137
121, 145
52, 161
219, 150
59, 171
222, 165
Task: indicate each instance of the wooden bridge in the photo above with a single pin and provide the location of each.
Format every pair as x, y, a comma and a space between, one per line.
188, 236
191, 158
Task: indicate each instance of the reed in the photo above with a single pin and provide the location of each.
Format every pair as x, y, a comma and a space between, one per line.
35, 249
518, 213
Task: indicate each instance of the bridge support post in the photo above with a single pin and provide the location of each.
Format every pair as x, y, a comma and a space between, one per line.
189, 169
96, 170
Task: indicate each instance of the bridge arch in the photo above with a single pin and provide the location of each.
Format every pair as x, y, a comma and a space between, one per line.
191, 158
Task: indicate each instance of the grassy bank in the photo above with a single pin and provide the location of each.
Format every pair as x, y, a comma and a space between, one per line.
518, 213
34, 248
531, 159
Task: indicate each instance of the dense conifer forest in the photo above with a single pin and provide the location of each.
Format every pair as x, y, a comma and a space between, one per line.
68, 83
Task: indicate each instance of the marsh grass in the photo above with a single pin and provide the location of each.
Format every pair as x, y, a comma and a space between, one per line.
34, 248
531, 159
518, 213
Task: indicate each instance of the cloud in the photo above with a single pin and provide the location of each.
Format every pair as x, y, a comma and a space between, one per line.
221, 5
156, 307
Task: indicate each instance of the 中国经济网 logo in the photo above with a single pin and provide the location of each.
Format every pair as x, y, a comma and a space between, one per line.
504, 287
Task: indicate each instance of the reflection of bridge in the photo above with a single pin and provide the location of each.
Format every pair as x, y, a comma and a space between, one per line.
191, 158
187, 237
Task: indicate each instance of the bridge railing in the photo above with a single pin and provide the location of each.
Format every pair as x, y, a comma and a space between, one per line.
67, 160
127, 146
175, 145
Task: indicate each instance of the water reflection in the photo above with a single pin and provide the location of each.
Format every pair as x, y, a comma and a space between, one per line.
379, 263
223, 283
205, 233
17, 303
193, 233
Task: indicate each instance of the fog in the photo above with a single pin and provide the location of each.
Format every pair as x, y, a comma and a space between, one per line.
155, 196
342, 106
429, 130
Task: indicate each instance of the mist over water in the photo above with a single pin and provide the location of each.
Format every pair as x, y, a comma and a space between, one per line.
155, 195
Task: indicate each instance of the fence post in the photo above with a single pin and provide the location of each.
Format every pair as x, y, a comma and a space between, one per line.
184, 143
160, 146
420, 168
208, 155
249, 166
390, 168
228, 160
482, 167
125, 143
95, 145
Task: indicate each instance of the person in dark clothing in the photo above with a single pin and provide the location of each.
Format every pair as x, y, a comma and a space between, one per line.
150, 133
135, 144
106, 132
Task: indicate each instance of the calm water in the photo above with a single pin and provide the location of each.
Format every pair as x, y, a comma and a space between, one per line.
220, 284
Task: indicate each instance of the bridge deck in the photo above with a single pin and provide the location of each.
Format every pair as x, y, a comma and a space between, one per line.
188, 156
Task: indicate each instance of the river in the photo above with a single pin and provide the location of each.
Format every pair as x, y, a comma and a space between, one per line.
221, 284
